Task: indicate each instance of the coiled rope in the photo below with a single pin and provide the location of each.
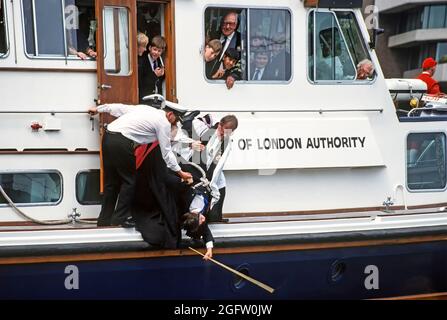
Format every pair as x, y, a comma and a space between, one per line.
29, 218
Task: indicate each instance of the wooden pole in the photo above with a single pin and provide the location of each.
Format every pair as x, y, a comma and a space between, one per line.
240, 274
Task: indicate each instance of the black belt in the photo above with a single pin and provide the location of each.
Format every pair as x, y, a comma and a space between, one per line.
132, 143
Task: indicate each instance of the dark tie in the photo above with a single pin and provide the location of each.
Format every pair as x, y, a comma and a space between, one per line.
256, 75
224, 40
155, 64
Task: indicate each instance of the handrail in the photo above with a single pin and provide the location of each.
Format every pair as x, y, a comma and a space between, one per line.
45, 111
215, 110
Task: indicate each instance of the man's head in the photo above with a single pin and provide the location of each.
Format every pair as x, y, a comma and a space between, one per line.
261, 59
156, 47
142, 41
212, 50
229, 23
429, 65
193, 223
227, 126
230, 59
365, 69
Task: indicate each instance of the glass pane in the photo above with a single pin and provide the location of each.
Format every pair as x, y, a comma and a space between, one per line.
3, 39
442, 52
29, 188
354, 40
116, 41
49, 26
437, 17
80, 28
269, 45
28, 21
87, 187
426, 162
332, 59
225, 32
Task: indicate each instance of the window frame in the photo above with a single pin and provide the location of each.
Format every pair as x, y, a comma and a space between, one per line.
66, 55
37, 204
406, 163
76, 188
365, 45
247, 8
8, 44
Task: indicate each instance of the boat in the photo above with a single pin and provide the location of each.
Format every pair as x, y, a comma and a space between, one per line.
336, 184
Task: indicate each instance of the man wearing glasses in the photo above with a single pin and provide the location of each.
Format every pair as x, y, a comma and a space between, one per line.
230, 37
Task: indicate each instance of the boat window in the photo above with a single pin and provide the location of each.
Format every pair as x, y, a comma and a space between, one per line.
116, 41
257, 48
87, 187
356, 44
59, 28
32, 187
3, 30
330, 59
426, 161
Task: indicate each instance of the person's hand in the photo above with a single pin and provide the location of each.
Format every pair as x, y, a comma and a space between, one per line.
209, 254
93, 111
230, 82
219, 74
91, 53
82, 55
197, 146
184, 175
159, 72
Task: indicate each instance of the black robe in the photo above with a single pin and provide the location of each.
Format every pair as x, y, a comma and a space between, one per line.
154, 210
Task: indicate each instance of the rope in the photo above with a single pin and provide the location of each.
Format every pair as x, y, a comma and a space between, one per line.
27, 217
203, 181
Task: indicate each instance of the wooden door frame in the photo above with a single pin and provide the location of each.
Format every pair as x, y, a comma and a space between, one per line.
169, 58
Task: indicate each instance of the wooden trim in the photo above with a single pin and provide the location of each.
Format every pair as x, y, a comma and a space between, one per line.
28, 69
217, 251
169, 33
330, 211
43, 152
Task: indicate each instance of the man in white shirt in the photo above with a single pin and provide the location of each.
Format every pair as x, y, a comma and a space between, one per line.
135, 125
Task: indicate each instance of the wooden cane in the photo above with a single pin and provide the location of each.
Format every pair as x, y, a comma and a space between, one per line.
240, 274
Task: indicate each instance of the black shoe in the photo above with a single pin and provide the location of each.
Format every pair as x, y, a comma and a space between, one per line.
128, 223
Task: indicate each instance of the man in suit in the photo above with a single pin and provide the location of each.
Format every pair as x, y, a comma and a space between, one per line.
229, 37
152, 70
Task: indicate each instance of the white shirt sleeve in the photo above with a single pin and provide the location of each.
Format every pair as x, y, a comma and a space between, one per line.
115, 109
209, 245
217, 175
199, 126
163, 136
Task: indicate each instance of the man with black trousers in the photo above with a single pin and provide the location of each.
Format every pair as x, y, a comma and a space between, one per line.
135, 125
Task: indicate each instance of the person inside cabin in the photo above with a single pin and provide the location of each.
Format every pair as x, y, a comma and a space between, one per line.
80, 41
258, 42
135, 125
428, 71
142, 42
365, 70
329, 66
261, 67
229, 70
210, 55
148, 19
229, 37
280, 60
152, 72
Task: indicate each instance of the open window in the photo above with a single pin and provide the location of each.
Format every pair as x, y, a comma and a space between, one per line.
337, 51
60, 28
3, 30
248, 44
